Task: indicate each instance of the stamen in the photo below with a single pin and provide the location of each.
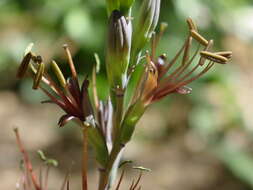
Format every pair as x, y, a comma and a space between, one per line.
59, 74
38, 75
70, 61
214, 57
191, 24
179, 70
202, 59
187, 50
173, 61
207, 68
153, 45
227, 54
163, 92
156, 38
96, 69
24, 65
199, 38
188, 63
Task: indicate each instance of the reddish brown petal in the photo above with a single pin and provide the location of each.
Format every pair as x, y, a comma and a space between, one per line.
86, 105
74, 89
59, 102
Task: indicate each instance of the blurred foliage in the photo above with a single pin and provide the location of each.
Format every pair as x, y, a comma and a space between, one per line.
214, 114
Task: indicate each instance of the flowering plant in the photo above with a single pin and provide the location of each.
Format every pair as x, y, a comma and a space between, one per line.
109, 125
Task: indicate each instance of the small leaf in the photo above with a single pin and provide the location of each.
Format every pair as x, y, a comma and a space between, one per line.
142, 168
52, 162
42, 155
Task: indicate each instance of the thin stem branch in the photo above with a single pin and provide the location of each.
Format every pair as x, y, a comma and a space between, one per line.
85, 158
27, 161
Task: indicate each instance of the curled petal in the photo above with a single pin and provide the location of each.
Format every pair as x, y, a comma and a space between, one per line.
66, 118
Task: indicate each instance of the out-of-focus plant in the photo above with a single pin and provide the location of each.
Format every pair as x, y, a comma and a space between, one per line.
137, 78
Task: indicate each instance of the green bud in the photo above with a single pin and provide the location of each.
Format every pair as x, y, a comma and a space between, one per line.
118, 49
146, 24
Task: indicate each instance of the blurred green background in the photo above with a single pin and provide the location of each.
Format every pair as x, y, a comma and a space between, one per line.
198, 141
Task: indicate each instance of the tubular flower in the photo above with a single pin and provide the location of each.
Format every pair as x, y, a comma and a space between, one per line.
118, 49
68, 96
164, 77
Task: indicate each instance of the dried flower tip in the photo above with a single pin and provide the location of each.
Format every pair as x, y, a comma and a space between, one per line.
199, 38
38, 76
24, 65
214, 57
202, 59
227, 54
191, 24
59, 74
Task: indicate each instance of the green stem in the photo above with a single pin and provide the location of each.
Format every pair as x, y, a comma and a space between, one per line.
106, 179
105, 175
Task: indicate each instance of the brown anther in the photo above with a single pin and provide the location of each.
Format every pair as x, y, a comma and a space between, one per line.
214, 57
24, 65
38, 59
227, 54
199, 38
202, 59
191, 24
38, 75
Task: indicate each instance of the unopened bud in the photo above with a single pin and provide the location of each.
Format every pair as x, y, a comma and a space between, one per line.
146, 23
118, 49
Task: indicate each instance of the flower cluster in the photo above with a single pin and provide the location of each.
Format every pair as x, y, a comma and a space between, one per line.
110, 124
